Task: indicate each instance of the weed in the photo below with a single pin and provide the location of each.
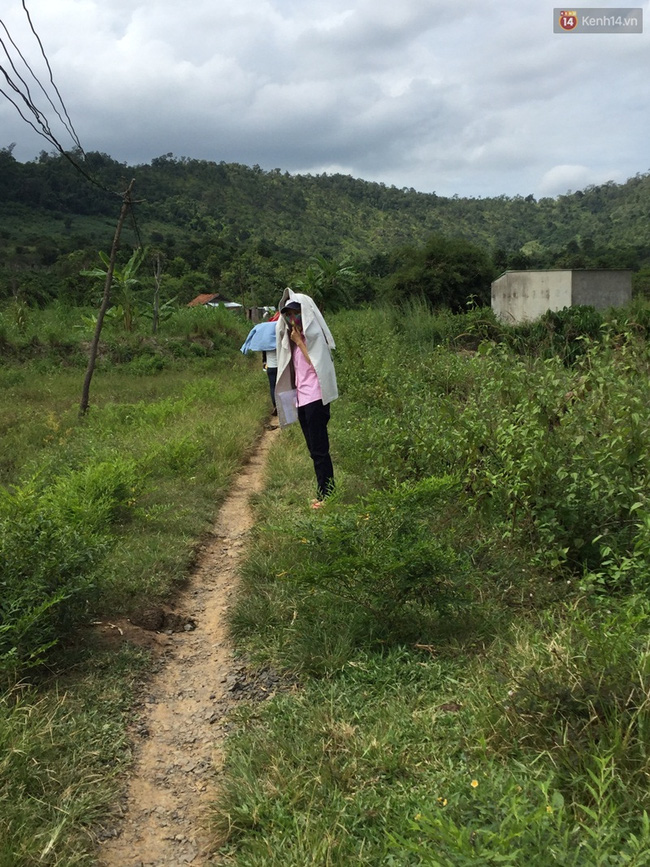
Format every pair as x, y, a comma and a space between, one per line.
515, 728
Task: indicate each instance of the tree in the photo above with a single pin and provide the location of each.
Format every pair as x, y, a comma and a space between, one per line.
641, 282
110, 266
446, 272
157, 275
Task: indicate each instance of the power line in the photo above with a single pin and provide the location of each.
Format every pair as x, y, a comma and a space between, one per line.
23, 100
27, 97
70, 128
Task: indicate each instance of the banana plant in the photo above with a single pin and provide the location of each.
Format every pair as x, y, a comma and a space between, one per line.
329, 282
124, 282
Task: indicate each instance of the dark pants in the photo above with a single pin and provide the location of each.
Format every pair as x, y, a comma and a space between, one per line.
313, 418
272, 373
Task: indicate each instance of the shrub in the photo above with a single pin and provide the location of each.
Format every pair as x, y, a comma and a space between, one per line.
384, 558
46, 566
50, 542
565, 333
147, 365
97, 495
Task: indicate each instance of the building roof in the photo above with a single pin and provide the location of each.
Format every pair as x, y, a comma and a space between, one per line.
211, 298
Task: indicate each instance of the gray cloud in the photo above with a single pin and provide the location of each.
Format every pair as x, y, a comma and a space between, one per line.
475, 99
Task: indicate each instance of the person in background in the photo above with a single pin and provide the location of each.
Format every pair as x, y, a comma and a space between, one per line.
306, 380
262, 338
270, 365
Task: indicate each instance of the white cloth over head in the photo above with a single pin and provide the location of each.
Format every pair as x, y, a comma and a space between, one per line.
319, 342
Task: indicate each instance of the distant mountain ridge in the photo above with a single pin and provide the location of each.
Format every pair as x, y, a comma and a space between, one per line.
216, 212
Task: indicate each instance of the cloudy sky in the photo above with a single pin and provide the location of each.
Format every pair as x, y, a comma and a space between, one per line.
478, 98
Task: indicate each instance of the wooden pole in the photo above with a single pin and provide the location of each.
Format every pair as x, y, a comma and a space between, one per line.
92, 357
157, 271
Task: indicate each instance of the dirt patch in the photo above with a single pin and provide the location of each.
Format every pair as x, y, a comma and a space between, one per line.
180, 731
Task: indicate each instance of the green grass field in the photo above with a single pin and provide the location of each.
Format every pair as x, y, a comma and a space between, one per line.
467, 618
104, 512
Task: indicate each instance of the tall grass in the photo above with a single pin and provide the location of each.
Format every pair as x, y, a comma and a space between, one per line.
96, 516
62, 750
58, 335
467, 616
499, 713
92, 502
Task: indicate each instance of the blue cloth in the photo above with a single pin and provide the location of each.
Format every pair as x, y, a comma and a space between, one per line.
261, 338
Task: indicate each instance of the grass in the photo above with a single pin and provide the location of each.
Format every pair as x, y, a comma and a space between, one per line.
180, 435
64, 747
363, 750
509, 725
473, 666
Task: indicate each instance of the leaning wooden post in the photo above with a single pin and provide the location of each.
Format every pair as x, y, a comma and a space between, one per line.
157, 271
92, 357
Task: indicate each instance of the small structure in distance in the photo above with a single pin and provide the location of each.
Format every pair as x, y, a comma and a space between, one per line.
214, 299
522, 296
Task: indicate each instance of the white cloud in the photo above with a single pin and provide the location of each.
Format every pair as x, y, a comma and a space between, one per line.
569, 178
478, 98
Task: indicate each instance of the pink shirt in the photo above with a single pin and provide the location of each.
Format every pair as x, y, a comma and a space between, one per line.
307, 384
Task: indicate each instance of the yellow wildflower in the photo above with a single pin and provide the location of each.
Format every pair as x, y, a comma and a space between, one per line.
474, 784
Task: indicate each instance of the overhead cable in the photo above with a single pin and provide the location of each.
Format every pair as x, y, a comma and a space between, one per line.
22, 100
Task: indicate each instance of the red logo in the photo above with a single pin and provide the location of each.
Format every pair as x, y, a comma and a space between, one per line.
568, 20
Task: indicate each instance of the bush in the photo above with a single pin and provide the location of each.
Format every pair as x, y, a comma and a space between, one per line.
383, 555
380, 570
565, 334
147, 365
50, 542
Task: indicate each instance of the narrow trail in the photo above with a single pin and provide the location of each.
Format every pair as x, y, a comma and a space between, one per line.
181, 729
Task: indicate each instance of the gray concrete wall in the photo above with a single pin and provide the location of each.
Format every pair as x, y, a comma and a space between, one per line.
521, 296
601, 289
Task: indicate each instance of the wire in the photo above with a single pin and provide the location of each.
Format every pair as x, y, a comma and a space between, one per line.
28, 99
20, 87
71, 128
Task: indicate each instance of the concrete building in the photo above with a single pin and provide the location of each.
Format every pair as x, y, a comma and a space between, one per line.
521, 296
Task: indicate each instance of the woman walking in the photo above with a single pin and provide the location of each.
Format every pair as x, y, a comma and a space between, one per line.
306, 380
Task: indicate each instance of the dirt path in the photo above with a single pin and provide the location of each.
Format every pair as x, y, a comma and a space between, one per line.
181, 729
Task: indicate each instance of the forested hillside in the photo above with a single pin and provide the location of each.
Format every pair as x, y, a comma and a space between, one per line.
244, 231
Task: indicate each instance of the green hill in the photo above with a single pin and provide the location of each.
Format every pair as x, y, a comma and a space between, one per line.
219, 225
